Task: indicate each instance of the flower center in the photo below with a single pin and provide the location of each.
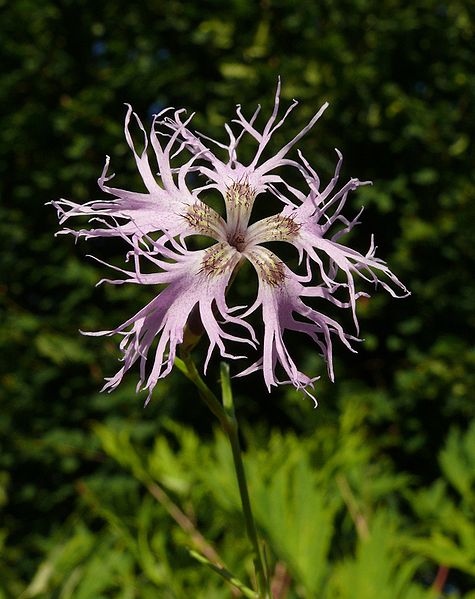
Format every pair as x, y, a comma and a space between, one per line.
238, 241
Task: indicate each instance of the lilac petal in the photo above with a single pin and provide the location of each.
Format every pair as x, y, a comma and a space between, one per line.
276, 160
306, 227
190, 283
310, 240
279, 295
224, 174
164, 207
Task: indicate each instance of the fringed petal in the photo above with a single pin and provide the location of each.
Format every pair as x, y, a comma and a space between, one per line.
279, 296
168, 207
258, 174
308, 228
191, 281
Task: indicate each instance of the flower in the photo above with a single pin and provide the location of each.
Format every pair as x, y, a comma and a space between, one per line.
156, 225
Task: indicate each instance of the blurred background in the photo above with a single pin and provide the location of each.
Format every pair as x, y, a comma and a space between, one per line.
372, 495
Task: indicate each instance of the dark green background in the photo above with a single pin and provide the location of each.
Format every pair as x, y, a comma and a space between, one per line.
400, 81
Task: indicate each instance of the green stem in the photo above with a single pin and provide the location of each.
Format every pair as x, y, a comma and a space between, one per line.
233, 436
226, 575
226, 416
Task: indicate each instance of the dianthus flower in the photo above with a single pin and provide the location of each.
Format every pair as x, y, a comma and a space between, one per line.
156, 224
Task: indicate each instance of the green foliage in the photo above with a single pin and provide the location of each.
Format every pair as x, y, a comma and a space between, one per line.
333, 540
451, 515
378, 570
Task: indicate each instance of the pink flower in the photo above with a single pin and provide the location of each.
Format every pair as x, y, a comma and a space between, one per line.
197, 281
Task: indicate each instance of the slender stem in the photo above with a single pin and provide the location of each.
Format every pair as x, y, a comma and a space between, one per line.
233, 435
226, 416
237, 584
